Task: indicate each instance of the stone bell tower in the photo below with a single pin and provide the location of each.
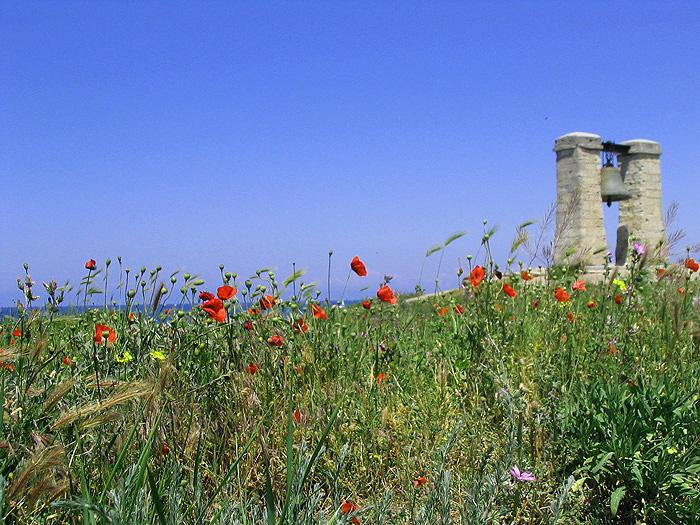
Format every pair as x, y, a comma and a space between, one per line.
580, 232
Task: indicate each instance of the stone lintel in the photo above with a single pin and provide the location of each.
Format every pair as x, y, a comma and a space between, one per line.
578, 139
642, 146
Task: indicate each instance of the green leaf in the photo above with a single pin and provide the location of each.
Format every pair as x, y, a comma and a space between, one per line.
454, 237
269, 495
602, 463
433, 250
615, 499
156, 497
296, 275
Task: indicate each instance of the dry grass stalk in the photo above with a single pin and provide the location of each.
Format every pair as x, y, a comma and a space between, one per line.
57, 394
122, 395
39, 345
8, 356
101, 419
36, 478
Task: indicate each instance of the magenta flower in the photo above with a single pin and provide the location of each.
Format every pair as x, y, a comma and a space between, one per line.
521, 476
639, 248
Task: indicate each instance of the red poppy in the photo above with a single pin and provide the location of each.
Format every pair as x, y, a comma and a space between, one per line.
206, 296
215, 309
692, 265
579, 285
253, 311
90, 265
66, 360
561, 295
570, 316
275, 340
100, 329
164, 449
443, 311
527, 276
381, 377
419, 482
366, 305
226, 292
296, 416
459, 309
266, 301
618, 299
591, 304
16, 332
386, 295
660, 272
318, 312
347, 508
536, 304
476, 276
508, 290
358, 266
252, 368
248, 325
299, 325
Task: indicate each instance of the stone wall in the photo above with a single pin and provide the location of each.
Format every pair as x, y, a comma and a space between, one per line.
580, 231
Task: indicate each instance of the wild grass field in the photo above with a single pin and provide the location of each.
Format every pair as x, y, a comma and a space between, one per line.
510, 400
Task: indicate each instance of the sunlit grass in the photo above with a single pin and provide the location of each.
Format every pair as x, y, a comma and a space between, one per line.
251, 401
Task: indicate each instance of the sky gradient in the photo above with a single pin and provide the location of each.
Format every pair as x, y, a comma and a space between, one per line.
262, 134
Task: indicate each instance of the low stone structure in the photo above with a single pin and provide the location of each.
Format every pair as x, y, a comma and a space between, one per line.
580, 232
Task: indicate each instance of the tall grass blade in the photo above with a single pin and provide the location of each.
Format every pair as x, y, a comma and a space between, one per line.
156, 497
454, 237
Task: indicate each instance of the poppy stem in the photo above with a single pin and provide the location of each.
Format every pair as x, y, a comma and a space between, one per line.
346, 286
328, 298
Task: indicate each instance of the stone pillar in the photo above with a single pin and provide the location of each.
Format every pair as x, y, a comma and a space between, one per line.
579, 221
643, 214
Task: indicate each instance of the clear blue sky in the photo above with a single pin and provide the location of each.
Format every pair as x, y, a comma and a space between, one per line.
256, 134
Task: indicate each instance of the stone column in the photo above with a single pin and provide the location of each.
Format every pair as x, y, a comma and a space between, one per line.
579, 221
643, 214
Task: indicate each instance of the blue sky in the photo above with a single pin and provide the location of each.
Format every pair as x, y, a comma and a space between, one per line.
258, 134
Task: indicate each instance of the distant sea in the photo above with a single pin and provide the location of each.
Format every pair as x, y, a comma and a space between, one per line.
11, 311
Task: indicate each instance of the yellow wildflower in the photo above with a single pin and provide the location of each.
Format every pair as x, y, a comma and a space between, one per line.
124, 357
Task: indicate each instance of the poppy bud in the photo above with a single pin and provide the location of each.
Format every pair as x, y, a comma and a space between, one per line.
198, 282
221, 267
187, 276
131, 293
173, 279
108, 262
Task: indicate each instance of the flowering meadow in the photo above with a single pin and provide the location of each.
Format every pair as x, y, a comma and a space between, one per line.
525, 396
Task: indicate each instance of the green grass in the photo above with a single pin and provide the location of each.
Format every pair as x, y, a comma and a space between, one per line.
167, 424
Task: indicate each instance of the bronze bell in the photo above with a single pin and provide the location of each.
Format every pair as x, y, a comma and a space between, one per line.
611, 186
